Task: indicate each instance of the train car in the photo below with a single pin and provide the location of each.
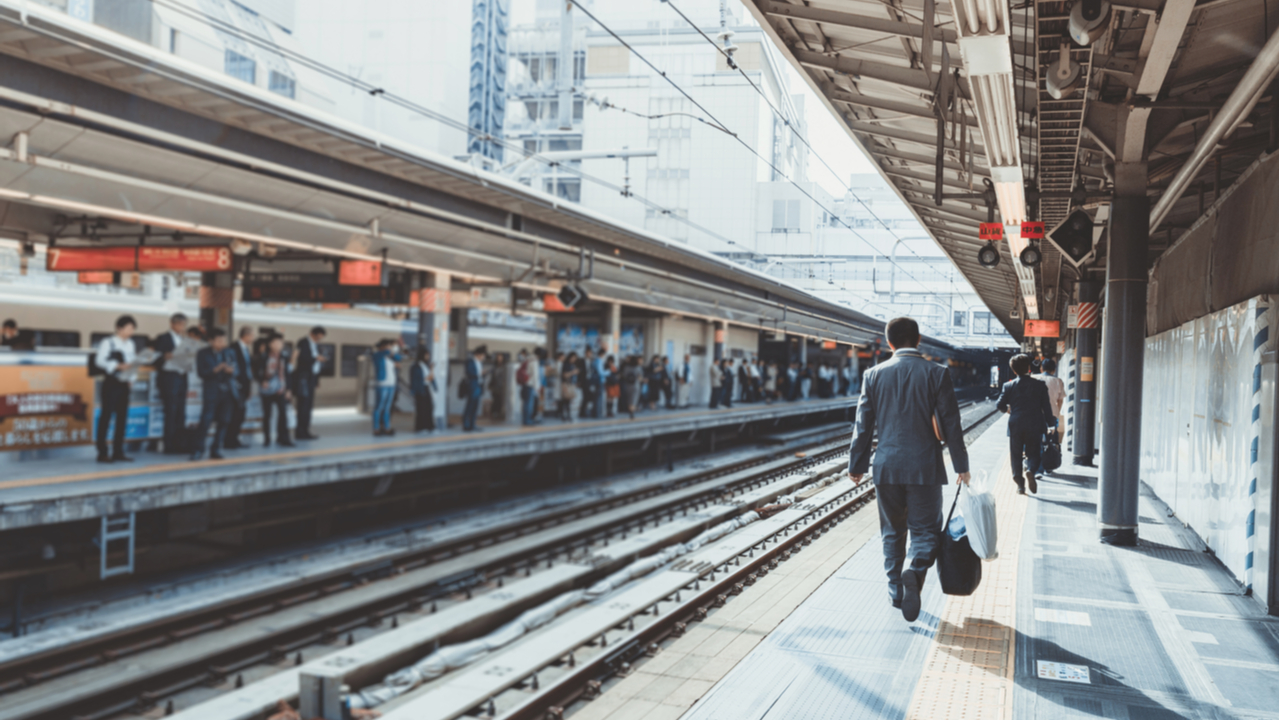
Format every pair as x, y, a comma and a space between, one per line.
70, 317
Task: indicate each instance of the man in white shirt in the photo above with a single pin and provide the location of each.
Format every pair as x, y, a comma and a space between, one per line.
115, 359
1057, 390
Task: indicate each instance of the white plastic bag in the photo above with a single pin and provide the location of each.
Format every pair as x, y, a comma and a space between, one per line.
978, 507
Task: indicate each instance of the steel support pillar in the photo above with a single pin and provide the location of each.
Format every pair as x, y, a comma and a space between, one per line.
433, 334
217, 294
1123, 340
721, 327
1085, 404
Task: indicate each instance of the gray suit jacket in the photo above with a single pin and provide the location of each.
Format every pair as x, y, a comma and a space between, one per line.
903, 396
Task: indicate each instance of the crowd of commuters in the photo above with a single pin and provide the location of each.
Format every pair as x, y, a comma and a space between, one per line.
229, 372
566, 386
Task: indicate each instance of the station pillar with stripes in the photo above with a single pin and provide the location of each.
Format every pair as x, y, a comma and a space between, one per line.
433, 334
1124, 341
1085, 405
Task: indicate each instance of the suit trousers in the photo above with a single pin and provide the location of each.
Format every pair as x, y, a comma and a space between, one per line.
115, 405
173, 397
277, 403
1023, 442
238, 410
424, 412
306, 395
214, 411
913, 509
470, 411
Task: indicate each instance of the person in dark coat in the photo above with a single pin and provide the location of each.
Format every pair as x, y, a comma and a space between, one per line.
912, 403
1026, 399
216, 366
242, 351
422, 383
172, 383
726, 382
306, 378
474, 379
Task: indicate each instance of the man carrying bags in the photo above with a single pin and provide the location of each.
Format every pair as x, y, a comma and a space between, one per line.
913, 402
1026, 399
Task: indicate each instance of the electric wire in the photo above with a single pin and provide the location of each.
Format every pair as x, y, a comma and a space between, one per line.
803, 140
404, 103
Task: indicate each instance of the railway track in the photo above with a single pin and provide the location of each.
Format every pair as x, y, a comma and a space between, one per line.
139, 668
255, 651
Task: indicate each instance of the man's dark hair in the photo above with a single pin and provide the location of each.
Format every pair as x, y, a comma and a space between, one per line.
482, 350
1020, 364
902, 332
10, 323
1049, 365
124, 320
215, 332
318, 330
246, 330
177, 317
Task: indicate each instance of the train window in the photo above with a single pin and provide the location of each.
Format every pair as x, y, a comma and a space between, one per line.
328, 350
351, 359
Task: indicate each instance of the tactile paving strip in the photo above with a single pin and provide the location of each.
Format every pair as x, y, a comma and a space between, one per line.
968, 672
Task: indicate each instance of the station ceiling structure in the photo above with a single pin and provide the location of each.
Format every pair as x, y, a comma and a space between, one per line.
944, 97
99, 124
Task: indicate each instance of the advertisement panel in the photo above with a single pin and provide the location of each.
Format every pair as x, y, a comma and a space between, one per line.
45, 402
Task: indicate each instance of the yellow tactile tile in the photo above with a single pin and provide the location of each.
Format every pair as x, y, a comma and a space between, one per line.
968, 671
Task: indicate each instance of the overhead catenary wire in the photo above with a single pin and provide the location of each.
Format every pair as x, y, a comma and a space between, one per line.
379, 92
739, 139
803, 140
404, 103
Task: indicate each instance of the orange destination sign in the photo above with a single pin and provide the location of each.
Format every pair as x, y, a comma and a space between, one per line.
360, 272
1041, 328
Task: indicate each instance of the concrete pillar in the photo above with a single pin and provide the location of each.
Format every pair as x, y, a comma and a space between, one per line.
433, 334
1123, 341
217, 294
1084, 407
611, 330
720, 337
804, 350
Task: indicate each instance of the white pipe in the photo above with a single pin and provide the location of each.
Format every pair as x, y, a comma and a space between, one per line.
989, 14
1237, 106
971, 16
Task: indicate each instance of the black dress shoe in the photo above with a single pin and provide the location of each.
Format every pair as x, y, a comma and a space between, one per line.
287, 444
910, 595
121, 458
104, 458
1031, 483
308, 436
215, 455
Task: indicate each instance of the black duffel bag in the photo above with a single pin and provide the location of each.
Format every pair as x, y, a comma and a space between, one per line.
1050, 452
959, 567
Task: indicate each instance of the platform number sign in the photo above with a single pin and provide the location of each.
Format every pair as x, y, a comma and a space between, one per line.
1032, 230
991, 232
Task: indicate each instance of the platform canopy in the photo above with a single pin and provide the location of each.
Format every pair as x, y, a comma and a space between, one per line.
958, 92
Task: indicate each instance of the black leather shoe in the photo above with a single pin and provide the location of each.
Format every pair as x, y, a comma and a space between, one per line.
910, 595
308, 436
104, 458
1031, 482
215, 455
121, 458
1022, 490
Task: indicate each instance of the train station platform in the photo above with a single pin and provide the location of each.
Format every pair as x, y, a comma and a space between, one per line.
73, 486
1061, 627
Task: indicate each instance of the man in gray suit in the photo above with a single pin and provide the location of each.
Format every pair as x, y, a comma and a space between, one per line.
914, 404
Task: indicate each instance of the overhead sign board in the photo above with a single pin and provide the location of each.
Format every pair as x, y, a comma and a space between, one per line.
194, 258
393, 294
361, 272
75, 259
990, 231
1041, 328
96, 277
1032, 230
